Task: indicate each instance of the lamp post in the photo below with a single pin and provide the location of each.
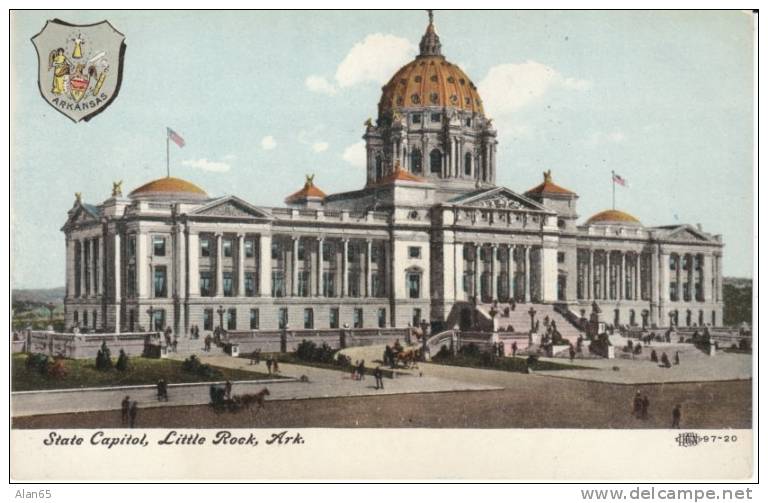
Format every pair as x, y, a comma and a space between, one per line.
151, 313
220, 312
50, 306
532, 314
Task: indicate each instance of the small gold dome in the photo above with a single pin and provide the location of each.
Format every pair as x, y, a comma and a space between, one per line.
613, 217
169, 188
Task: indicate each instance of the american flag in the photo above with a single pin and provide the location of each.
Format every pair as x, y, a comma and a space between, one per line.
618, 179
175, 137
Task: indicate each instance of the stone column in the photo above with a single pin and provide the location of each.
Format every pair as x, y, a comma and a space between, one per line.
83, 265
265, 265
319, 269
219, 268
344, 267
494, 271
117, 269
678, 277
478, 262
143, 276
719, 277
636, 282
241, 265
510, 271
591, 275
621, 277
294, 266
71, 272
527, 273
100, 267
691, 290
193, 259
706, 280
368, 268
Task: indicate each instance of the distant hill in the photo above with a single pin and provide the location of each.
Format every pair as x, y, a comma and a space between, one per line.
38, 295
737, 282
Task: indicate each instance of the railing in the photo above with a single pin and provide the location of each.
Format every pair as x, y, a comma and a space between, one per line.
574, 319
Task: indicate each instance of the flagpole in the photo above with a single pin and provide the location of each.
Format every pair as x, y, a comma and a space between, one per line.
613, 187
167, 154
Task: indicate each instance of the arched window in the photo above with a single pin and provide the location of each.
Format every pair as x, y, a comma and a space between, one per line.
416, 161
379, 172
435, 162
468, 164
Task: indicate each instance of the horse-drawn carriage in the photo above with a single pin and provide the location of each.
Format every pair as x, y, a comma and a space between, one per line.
221, 402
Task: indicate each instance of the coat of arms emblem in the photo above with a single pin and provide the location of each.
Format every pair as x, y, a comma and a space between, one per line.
80, 67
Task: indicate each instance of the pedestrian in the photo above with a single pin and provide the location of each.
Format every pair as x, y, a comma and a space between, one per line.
378, 375
677, 357
665, 361
275, 367
645, 404
571, 352
387, 355
676, 414
175, 343
133, 412
228, 389
514, 349
654, 356
637, 405
162, 390
513, 304
361, 370
126, 406
269, 365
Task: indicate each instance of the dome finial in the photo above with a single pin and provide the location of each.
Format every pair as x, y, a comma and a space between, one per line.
430, 42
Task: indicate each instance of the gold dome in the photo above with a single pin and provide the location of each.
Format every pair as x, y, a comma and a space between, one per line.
430, 81
169, 188
613, 217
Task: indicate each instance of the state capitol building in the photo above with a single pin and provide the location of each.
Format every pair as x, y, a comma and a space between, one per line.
430, 236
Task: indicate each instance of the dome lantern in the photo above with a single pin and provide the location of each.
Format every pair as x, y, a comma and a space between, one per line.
430, 42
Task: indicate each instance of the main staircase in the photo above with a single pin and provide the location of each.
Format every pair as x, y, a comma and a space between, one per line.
519, 319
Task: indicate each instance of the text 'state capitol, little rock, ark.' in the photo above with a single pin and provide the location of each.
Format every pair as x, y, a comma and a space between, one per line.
429, 237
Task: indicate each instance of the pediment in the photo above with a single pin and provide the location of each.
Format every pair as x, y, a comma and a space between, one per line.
79, 216
687, 234
230, 207
498, 198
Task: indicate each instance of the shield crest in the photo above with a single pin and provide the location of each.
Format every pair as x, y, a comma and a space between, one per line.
80, 67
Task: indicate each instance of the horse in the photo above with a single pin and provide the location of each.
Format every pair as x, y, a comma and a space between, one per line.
408, 357
247, 400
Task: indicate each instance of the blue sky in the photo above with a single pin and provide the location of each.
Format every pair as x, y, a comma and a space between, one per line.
263, 98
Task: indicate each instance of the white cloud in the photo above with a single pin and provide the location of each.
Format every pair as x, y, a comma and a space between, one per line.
229, 157
510, 86
319, 84
601, 138
355, 154
374, 59
206, 165
320, 146
268, 143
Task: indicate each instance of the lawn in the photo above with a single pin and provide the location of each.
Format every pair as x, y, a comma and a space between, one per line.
83, 374
485, 361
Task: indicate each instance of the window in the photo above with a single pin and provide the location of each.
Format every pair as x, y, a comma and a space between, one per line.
250, 248
560, 257
435, 117
416, 161
158, 317
468, 122
132, 247
208, 319
357, 317
672, 263
416, 118
329, 286
75, 317
158, 246
130, 287
232, 319
354, 284
416, 318
309, 318
302, 253
303, 286
333, 317
205, 247
379, 167
468, 164
275, 251
282, 317
226, 247
205, 284
327, 251
414, 285
377, 287
254, 319
382, 315
95, 319
161, 286
414, 252
228, 284
435, 162
250, 284
278, 284
561, 222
